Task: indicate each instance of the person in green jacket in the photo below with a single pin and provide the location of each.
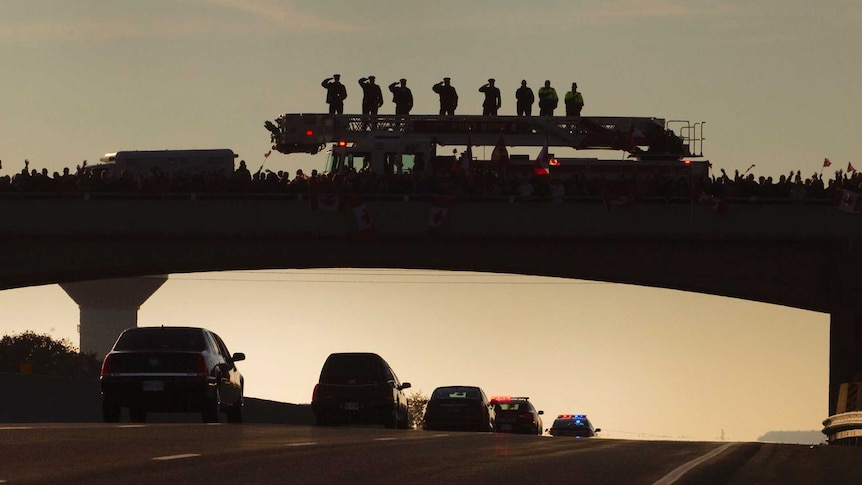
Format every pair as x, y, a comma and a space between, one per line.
548, 100
574, 101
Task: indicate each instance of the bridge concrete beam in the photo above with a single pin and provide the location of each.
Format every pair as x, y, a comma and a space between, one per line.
108, 307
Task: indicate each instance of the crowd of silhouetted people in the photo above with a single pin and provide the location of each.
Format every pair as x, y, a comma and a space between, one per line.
478, 183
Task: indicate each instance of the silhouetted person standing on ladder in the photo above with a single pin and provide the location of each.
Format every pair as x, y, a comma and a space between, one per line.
402, 97
448, 97
525, 99
372, 100
336, 93
492, 98
574, 101
548, 100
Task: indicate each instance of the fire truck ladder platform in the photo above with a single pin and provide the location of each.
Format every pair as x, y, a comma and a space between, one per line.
641, 137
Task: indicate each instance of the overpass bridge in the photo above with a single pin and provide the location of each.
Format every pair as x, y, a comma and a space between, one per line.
781, 252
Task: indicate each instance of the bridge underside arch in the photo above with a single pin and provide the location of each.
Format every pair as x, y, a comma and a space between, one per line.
790, 273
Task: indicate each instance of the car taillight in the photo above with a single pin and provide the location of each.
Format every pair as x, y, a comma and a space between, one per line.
315, 392
106, 366
201, 366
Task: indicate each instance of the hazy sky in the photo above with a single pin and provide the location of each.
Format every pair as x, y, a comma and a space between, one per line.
775, 80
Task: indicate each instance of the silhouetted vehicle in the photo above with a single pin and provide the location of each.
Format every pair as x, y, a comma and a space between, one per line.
459, 408
576, 425
171, 369
359, 388
516, 415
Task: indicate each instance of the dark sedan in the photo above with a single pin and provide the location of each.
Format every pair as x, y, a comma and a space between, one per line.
171, 369
516, 415
459, 408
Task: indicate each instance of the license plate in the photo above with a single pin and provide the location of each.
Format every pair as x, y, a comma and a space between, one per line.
153, 386
351, 406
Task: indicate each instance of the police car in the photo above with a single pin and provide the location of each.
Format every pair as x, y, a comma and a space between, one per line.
576, 425
516, 415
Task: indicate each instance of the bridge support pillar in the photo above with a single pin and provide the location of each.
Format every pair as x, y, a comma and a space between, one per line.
108, 307
845, 353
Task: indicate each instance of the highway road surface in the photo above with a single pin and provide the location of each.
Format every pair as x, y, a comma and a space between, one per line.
251, 453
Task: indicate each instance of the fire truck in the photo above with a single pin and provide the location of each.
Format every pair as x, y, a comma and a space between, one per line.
396, 143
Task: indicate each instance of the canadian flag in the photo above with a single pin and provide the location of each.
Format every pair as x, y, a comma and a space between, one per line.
617, 199
847, 201
363, 219
826, 162
439, 212
542, 162
850, 167
325, 202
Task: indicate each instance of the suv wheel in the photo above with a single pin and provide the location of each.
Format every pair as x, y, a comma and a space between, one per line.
211, 408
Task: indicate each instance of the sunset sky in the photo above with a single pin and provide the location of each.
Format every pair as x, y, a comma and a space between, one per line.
774, 80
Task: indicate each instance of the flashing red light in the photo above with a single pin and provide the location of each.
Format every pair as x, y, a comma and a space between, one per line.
342, 143
554, 162
501, 399
309, 133
687, 162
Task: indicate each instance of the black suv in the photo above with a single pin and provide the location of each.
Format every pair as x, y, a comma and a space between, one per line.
516, 415
359, 388
171, 369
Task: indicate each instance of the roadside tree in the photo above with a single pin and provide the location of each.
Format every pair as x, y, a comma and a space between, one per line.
416, 408
41, 354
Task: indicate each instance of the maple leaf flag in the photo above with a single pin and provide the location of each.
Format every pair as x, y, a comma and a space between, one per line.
826, 162
267, 154
439, 212
363, 218
847, 201
542, 161
326, 202
850, 167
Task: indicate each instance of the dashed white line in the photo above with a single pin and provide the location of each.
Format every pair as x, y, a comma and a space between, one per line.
176, 457
305, 443
5, 428
681, 470
385, 439
132, 426
439, 435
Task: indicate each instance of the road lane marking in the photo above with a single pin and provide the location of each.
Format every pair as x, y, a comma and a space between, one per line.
176, 457
681, 470
385, 439
439, 435
6, 428
305, 443
133, 426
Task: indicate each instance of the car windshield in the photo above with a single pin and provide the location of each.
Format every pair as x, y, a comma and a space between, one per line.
512, 406
456, 393
351, 369
571, 423
159, 338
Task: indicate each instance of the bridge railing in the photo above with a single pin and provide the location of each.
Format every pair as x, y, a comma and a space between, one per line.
404, 197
